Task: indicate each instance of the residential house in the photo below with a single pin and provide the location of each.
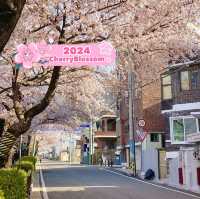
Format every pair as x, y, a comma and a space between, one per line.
147, 106
181, 106
105, 138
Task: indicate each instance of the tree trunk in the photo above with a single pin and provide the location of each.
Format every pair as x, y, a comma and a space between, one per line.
9, 138
10, 158
10, 12
6, 143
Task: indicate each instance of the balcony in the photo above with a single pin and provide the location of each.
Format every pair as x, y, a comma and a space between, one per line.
106, 127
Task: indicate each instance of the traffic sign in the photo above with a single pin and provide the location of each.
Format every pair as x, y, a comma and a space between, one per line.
141, 123
141, 135
85, 125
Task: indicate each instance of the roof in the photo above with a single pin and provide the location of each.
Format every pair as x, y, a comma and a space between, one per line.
188, 63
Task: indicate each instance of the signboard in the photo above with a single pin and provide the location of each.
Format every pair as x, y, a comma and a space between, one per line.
140, 135
141, 123
85, 125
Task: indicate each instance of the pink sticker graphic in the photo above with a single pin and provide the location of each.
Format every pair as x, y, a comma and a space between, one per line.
27, 54
99, 54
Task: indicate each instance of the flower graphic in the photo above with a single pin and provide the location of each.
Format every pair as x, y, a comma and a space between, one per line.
27, 54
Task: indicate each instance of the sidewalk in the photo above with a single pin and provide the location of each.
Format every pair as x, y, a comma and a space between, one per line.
164, 182
36, 192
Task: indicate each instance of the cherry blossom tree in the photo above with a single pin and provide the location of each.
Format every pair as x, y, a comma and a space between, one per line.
158, 36
26, 94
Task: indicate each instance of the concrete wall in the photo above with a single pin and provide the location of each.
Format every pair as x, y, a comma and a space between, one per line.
138, 158
189, 164
173, 177
147, 144
190, 170
150, 161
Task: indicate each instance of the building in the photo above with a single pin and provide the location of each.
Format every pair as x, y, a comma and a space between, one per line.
147, 107
181, 106
123, 148
70, 148
105, 138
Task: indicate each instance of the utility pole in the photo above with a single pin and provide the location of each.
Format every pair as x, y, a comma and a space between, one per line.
132, 123
91, 142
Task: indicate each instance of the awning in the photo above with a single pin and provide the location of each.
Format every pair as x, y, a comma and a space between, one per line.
183, 107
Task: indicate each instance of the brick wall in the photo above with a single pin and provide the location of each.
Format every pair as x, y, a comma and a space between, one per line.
151, 98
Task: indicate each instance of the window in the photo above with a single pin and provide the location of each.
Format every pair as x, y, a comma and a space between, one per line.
154, 137
98, 125
166, 87
189, 79
190, 125
181, 127
194, 79
103, 125
185, 84
178, 130
111, 125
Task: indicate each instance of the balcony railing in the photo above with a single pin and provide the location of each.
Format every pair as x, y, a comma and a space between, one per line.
105, 134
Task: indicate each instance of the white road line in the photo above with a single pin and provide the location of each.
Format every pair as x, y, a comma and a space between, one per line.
155, 185
44, 191
78, 188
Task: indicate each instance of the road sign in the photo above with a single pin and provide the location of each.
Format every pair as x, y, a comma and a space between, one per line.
85, 125
141, 123
141, 135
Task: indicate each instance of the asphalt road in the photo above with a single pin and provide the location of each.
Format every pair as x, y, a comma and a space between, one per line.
82, 182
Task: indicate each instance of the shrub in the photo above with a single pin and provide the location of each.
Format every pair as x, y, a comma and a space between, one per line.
13, 183
25, 165
1, 195
29, 159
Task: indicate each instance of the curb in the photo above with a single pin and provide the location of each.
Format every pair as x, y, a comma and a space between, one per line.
152, 182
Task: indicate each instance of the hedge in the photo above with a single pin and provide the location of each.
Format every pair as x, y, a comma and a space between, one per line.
13, 183
25, 165
1, 195
29, 159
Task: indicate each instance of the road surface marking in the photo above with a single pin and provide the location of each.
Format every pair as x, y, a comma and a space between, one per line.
44, 191
78, 188
155, 185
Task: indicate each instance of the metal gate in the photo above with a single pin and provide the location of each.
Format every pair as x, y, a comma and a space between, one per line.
162, 163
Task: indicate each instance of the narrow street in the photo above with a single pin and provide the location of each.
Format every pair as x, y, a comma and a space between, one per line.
61, 181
